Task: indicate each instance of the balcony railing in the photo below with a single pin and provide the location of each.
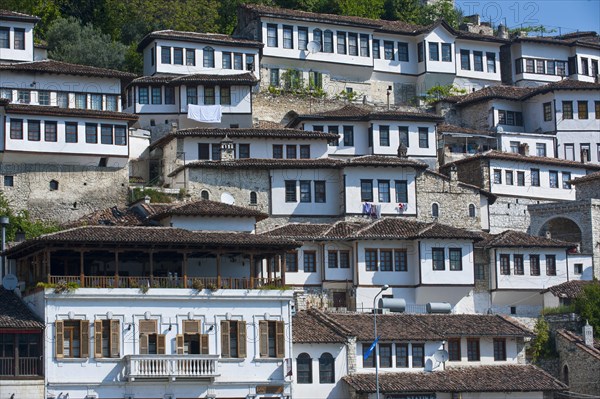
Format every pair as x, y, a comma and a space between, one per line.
166, 282
172, 366
27, 367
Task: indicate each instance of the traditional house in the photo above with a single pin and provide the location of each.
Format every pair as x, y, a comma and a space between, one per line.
16, 36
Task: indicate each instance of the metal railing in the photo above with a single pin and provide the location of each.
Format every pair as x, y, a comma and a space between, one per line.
172, 366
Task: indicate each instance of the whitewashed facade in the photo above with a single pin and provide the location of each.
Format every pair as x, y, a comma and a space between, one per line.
16, 36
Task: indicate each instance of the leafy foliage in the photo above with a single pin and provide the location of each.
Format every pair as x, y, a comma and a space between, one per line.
541, 346
21, 221
532, 29
442, 91
155, 195
587, 305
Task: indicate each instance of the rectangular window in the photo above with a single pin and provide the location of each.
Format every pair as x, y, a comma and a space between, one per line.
519, 269
491, 62
43, 97
594, 68
233, 339
310, 261
550, 67
178, 56
388, 50
499, 349
473, 349
344, 259
582, 109
304, 151
508, 175
510, 118
111, 103
535, 177
33, 130
209, 95
385, 355
401, 191
106, 134
553, 178
505, 264
6, 93
50, 131
4, 37
478, 61
465, 60
243, 151
9, 181
447, 52
272, 338
420, 52
71, 132
315, 80
584, 66
567, 109
225, 95
348, 136
418, 355
455, 255
502, 121
497, 176
72, 338
192, 95
203, 151
370, 360
597, 109
454, 350
165, 55
376, 54
320, 194
288, 36
290, 191
438, 259
249, 62
328, 41
550, 265
19, 38
237, 61
584, 150
384, 136
226, 60
190, 57
277, 151
215, 151
291, 261
383, 188
120, 135
332, 259
403, 52
540, 149
169, 95
434, 51
272, 35
366, 190
16, 129
96, 102
142, 91
561, 68
540, 67
302, 37
341, 42
364, 45
91, 133
305, 191
423, 137
566, 177
401, 355
578, 268
529, 65
107, 335
290, 152
403, 133
352, 43
400, 260
156, 95
534, 265
274, 77
385, 260
371, 260
520, 179
24, 97
547, 112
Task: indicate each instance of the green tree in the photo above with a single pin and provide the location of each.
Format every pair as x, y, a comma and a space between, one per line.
541, 346
587, 305
361, 8
69, 41
442, 91
21, 221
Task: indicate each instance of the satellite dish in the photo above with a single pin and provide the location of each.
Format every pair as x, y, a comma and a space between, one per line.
10, 282
313, 47
441, 355
227, 198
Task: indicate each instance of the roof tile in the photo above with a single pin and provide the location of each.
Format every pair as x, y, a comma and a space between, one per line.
14, 313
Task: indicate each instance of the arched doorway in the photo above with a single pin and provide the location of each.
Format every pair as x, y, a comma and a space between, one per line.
561, 228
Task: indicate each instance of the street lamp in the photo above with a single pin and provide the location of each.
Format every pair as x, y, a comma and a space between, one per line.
4, 221
375, 357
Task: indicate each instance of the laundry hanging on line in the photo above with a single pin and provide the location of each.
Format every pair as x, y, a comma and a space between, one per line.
205, 113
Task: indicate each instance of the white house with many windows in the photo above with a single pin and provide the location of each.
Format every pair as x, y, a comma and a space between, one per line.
483, 356
16, 36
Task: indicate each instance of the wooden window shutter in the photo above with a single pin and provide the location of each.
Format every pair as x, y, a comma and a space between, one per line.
59, 339
161, 344
179, 344
148, 326
85, 338
204, 344
263, 329
143, 344
280, 339
191, 326
115, 338
225, 345
97, 338
241, 339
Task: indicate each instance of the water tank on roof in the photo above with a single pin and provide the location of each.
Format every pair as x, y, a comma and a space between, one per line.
397, 305
439, 307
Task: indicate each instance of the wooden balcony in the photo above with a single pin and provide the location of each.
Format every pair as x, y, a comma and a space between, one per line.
11, 367
172, 367
167, 282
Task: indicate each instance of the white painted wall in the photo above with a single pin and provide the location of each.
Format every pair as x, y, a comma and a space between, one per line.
334, 273
531, 139
393, 278
441, 277
11, 54
331, 206
484, 47
586, 261
527, 281
439, 35
307, 278
316, 390
395, 66
208, 223
414, 148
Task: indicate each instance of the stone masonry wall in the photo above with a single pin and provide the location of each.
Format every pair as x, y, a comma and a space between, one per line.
587, 190
475, 172
511, 213
81, 189
583, 367
475, 116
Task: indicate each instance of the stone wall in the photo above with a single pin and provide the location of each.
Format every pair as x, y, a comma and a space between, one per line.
81, 189
583, 367
475, 172
510, 213
475, 116
587, 190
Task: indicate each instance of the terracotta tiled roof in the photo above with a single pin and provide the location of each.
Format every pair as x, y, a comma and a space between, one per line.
565, 84
569, 289
492, 92
17, 16
505, 378
363, 113
587, 178
342, 229
152, 236
198, 37
445, 128
299, 231
14, 313
68, 112
198, 78
580, 343
263, 163
262, 124
310, 328
208, 208
271, 133
513, 156
115, 216
585, 39
518, 239
65, 68
383, 160
399, 229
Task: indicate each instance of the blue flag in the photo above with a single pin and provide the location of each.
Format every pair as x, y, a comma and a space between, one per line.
368, 352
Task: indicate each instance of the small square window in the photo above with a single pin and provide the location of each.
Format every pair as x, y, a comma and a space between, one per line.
9, 181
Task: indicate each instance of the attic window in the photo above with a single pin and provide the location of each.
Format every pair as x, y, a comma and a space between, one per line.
53, 185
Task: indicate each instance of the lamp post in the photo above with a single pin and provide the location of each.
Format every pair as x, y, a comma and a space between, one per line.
375, 357
4, 221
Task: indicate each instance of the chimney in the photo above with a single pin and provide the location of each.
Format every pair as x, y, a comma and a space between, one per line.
174, 127
502, 32
402, 150
524, 149
453, 173
548, 234
147, 199
588, 334
227, 149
